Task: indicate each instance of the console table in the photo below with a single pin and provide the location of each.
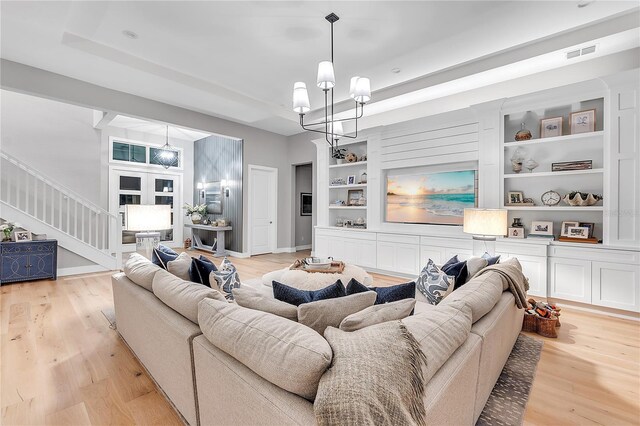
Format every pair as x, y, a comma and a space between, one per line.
217, 248
26, 261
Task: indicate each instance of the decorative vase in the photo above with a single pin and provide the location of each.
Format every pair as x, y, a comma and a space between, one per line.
517, 159
363, 177
531, 164
578, 200
523, 134
339, 160
196, 218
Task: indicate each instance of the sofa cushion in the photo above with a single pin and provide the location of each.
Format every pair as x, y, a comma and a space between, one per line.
377, 314
140, 270
330, 312
200, 270
297, 297
434, 283
480, 294
309, 281
288, 354
253, 299
162, 255
491, 260
180, 266
182, 296
440, 332
457, 269
385, 294
475, 265
226, 278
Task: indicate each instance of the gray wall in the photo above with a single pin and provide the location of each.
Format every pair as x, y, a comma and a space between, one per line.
304, 224
217, 158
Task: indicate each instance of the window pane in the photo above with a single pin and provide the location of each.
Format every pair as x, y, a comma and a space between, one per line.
120, 151
130, 183
165, 201
129, 152
138, 154
164, 185
129, 199
154, 154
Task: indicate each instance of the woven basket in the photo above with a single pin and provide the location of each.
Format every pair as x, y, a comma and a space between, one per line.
529, 323
547, 327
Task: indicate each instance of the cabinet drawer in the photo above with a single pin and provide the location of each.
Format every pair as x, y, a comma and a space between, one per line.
596, 254
404, 239
514, 249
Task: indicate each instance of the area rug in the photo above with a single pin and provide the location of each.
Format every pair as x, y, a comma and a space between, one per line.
508, 399
110, 315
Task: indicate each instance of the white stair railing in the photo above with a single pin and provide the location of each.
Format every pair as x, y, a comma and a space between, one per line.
39, 197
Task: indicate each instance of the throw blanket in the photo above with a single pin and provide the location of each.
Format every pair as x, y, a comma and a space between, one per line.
376, 378
516, 282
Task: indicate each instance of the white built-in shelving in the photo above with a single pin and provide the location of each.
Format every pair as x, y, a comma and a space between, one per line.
526, 175
357, 185
354, 164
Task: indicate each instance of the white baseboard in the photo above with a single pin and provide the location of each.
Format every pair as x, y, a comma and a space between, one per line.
305, 247
238, 254
78, 270
285, 250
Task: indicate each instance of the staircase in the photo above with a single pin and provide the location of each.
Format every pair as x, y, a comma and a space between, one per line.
44, 206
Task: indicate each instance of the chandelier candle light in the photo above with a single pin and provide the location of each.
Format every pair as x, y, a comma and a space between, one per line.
359, 91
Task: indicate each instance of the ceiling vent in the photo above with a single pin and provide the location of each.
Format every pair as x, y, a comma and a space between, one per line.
579, 52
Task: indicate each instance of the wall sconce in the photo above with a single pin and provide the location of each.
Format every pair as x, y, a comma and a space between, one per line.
200, 186
223, 184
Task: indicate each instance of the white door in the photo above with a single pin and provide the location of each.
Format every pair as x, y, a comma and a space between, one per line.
263, 189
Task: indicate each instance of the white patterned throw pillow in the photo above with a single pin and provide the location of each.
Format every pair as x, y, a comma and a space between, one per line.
433, 283
226, 277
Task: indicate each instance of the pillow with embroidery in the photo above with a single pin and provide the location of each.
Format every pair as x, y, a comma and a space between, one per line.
226, 277
434, 283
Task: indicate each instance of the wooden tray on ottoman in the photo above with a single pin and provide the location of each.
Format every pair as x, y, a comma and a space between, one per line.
336, 267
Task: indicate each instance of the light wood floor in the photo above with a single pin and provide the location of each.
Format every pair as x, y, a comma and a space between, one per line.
61, 364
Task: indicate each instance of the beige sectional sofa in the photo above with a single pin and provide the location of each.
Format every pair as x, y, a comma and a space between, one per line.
210, 386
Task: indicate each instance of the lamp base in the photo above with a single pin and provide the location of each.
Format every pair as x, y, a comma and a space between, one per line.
146, 242
482, 244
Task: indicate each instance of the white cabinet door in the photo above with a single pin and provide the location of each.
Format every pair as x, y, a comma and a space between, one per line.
322, 246
350, 250
407, 258
386, 255
616, 285
367, 254
336, 248
437, 254
535, 269
461, 253
570, 279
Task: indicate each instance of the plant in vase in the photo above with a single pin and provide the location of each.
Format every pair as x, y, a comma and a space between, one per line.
196, 211
339, 154
7, 228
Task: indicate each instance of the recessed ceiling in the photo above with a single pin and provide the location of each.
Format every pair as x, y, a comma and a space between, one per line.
239, 60
154, 128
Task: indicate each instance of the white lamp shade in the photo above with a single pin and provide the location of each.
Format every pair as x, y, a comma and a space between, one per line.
362, 92
336, 129
147, 217
300, 98
490, 222
326, 77
352, 86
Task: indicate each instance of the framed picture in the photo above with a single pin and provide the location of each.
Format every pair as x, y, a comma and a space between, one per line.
550, 127
353, 195
351, 180
515, 197
579, 232
583, 121
572, 165
306, 204
589, 225
19, 236
516, 233
564, 232
541, 228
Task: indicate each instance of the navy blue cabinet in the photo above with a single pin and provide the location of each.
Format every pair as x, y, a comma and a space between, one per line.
25, 261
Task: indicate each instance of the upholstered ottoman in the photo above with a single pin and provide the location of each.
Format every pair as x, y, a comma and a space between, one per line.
315, 281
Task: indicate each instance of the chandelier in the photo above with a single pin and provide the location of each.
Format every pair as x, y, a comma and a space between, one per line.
359, 91
166, 156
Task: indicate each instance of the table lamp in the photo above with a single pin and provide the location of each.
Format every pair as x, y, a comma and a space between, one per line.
147, 220
485, 225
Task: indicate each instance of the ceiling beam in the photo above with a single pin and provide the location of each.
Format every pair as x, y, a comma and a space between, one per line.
101, 119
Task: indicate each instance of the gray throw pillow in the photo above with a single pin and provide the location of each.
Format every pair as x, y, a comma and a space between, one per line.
253, 299
475, 265
226, 277
330, 312
377, 314
434, 283
180, 266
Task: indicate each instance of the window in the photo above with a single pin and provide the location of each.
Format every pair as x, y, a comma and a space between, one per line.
155, 153
140, 153
129, 152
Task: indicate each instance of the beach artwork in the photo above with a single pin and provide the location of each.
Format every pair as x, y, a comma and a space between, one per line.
438, 198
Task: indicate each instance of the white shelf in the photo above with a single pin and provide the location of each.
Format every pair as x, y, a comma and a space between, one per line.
357, 185
526, 175
556, 139
357, 163
348, 207
557, 208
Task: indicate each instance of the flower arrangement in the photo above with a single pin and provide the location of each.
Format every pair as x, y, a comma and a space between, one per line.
200, 209
7, 228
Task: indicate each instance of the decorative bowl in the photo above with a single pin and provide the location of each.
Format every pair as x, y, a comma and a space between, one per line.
319, 262
581, 199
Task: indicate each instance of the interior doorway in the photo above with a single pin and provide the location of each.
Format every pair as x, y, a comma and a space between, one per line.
304, 206
263, 220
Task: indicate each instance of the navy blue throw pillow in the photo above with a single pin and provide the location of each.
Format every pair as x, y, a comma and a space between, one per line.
200, 270
297, 297
385, 294
491, 260
456, 268
162, 255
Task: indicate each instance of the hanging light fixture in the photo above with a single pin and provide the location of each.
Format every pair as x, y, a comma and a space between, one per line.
359, 91
167, 155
